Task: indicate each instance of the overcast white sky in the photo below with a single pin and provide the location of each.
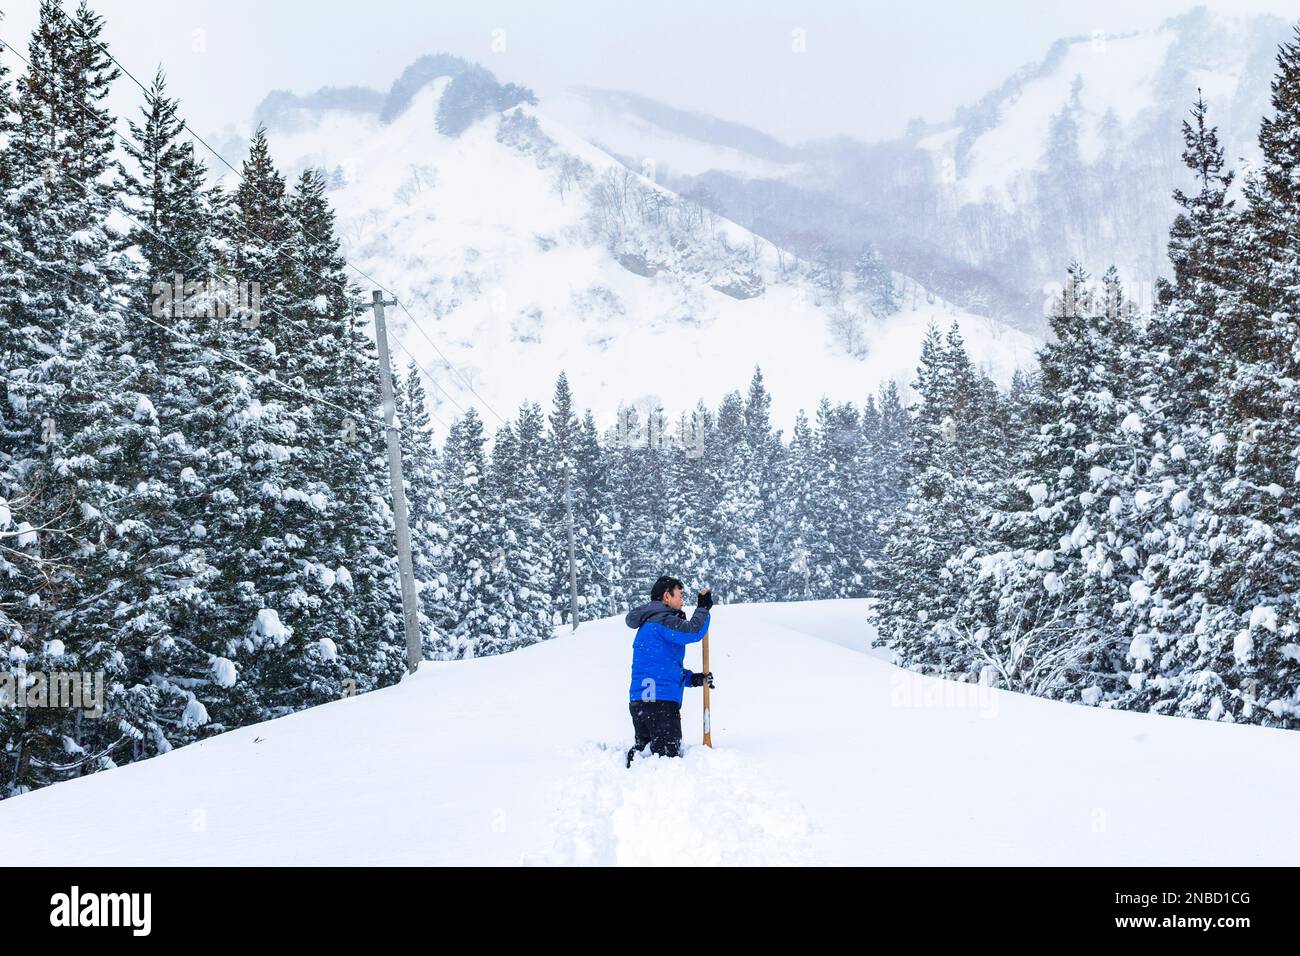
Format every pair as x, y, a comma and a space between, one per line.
868, 66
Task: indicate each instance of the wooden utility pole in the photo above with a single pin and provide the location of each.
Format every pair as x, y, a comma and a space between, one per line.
414, 652
573, 560
704, 649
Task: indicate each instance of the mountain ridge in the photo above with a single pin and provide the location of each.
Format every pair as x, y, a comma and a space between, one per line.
521, 245
989, 206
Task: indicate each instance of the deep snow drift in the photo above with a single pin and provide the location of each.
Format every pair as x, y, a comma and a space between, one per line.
824, 753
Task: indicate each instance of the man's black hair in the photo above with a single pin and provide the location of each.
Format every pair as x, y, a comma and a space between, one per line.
663, 586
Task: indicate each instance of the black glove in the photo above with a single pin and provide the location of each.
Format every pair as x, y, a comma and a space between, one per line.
704, 599
699, 679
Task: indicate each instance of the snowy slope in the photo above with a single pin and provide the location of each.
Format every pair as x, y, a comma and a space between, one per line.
1112, 77
670, 142
1072, 157
824, 754
493, 251
1119, 90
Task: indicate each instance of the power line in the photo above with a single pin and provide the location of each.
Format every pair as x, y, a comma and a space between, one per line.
447, 361
186, 126
392, 336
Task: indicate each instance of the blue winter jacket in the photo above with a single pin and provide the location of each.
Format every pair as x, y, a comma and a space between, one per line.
661, 638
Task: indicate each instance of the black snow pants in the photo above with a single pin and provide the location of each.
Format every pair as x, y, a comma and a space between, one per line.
657, 723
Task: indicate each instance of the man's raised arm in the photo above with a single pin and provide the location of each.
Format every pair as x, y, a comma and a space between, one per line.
688, 632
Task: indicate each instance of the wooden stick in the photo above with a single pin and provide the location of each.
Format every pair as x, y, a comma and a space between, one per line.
708, 732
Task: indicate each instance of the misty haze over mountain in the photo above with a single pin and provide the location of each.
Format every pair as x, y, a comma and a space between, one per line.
1073, 156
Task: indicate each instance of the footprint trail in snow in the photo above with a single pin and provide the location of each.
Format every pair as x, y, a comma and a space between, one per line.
709, 807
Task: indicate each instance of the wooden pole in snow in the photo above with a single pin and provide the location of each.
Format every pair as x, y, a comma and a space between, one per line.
708, 728
406, 574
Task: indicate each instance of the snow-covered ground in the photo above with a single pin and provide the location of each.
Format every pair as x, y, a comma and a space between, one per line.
824, 753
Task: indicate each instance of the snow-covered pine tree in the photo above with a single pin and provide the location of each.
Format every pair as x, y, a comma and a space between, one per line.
335, 498
601, 589
841, 456
867, 490
574, 443
484, 621
1052, 594
524, 574
879, 482
734, 514
769, 473
1201, 242
427, 512
1185, 365
561, 457
256, 468
62, 332
158, 570
6, 98
639, 482
917, 540
805, 552
1243, 665
875, 282
952, 461
692, 491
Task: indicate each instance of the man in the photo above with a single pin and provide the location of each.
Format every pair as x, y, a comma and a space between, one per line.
658, 677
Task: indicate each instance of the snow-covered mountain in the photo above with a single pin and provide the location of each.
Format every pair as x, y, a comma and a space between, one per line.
854, 761
1073, 156
524, 250
1121, 94
665, 142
